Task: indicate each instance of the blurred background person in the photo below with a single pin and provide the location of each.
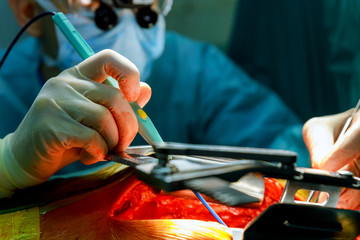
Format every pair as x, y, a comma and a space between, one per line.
309, 53
306, 51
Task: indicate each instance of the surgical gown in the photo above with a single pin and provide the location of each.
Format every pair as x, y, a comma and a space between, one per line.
307, 51
199, 96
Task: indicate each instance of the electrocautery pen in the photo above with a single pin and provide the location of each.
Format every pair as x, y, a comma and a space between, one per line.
146, 127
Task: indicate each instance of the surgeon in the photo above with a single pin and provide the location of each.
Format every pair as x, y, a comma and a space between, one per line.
319, 56
74, 117
198, 94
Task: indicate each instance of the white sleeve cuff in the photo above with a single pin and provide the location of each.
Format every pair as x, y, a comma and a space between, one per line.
12, 175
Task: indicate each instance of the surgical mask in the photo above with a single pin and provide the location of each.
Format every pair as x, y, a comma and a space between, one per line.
139, 45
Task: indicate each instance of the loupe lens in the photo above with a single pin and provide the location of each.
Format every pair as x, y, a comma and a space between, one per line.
146, 17
105, 17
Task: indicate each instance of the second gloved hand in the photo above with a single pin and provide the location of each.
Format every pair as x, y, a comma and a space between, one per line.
326, 150
74, 117
330, 153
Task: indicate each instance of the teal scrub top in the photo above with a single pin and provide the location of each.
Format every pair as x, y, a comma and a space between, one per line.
341, 21
307, 51
198, 96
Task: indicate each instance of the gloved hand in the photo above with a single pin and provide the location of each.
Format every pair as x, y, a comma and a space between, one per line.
74, 117
329, 153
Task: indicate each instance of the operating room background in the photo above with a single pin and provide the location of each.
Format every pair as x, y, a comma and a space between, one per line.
205, 20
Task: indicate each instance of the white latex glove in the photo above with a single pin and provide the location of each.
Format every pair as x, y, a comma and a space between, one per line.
74, 117
332, 154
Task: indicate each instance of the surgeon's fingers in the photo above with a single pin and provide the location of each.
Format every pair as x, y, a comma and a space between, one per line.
145, 94
90, 143
95, 116
120, 109
346, 149
109, 63
70, 141
319, 140
320, 135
